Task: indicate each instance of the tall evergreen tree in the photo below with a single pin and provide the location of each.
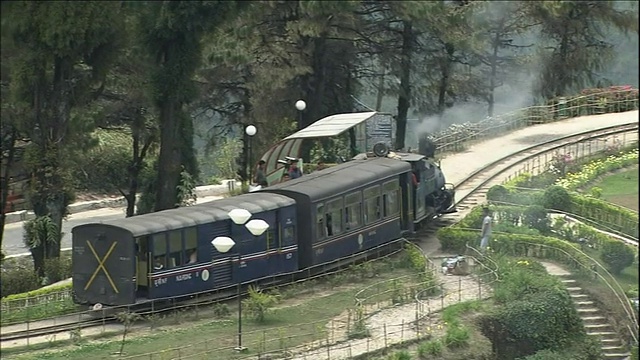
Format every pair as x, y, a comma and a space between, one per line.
64, 50
172, 32
577, 46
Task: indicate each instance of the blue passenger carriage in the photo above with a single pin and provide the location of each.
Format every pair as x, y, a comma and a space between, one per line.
348, 208
169, 253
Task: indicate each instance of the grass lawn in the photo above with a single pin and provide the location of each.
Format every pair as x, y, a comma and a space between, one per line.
297, 320
621, 188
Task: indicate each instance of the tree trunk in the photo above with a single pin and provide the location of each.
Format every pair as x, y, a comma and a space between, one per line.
404, 98
169, 160
380, 89
37, 253
5, 176
445, 72
317, 84
49, 196
492, 77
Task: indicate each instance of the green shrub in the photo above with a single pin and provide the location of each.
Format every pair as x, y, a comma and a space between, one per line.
452, 239
557, 198
536, 217
400, 355
457, 337
18, 280
588, 349
258, 305
521, 277
221, 310
595, 192
57, 269
634, 353
103, 167
617, 256
429, 348
498, 193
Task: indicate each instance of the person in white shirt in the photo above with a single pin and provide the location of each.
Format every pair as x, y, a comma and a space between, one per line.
486, 228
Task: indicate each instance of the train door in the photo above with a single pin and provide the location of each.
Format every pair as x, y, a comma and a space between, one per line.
419, 194
142, 267
407, 188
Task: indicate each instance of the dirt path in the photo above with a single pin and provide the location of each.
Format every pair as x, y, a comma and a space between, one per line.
394, 324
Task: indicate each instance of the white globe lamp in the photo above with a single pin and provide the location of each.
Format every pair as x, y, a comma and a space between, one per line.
250, 130
239, 216
223, 243
301, 105
257, 227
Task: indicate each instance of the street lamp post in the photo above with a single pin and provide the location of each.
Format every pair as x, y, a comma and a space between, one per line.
250, 131
300, 105
223, 244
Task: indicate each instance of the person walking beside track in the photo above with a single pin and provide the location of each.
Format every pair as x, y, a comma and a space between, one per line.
486, 228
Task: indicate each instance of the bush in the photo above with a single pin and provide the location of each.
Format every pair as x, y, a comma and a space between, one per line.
456, 337
18, 280
537, 313
401, 355
617, 256
104, 167
498, 193
522, 277
258, 305
536, 217
589, 349
57, 269
429, 348
557, 198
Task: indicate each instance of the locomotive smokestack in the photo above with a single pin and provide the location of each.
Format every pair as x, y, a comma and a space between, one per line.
426, 146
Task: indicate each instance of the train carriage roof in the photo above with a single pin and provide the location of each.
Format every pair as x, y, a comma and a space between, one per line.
341, 178
197, 214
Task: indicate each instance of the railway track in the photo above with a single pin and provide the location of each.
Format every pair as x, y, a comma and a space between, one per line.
470, 192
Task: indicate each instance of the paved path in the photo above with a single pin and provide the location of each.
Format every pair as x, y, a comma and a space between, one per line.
456, 166
13, 245
398, 324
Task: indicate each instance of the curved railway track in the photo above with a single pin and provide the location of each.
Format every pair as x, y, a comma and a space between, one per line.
470, 191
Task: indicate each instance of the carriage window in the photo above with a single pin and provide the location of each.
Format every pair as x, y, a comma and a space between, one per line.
159, 251
289, 235
372, 204
333, 217
390, 190
175, 249
353, 211
271, 240
320, 227
191, 245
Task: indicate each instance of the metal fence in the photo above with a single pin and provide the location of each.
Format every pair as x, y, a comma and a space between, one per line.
458, 137
383, 316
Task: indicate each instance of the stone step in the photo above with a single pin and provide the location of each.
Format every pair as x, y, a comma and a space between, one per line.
616, 356
588, 310
602, 334
596, 326
613, 349
579, 296
610, 341
594, 319
568, 281
584, 303
574, 288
